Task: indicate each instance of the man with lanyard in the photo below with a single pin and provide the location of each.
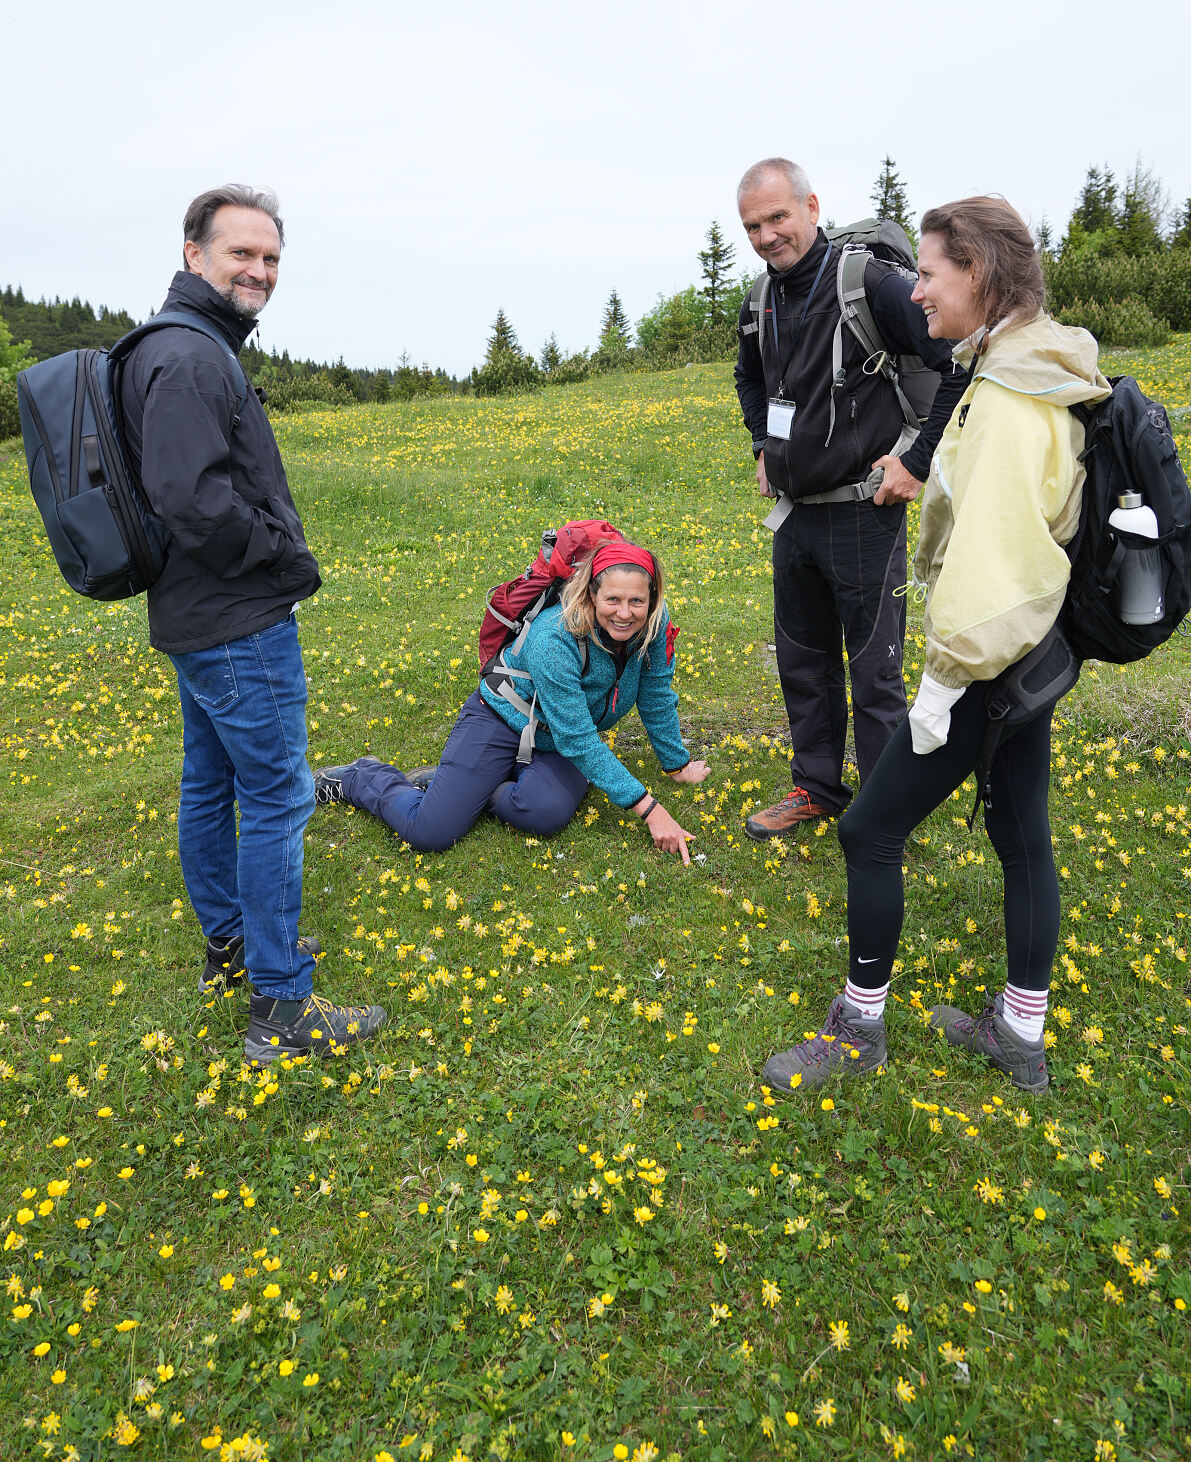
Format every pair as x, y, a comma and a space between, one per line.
836, 453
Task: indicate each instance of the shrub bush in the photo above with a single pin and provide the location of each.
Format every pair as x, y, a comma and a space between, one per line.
314, 392
10, 417
1127, 321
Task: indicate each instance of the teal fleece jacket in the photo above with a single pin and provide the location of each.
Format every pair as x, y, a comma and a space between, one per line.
574, 709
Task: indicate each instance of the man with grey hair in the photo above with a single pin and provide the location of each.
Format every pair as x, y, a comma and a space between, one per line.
819, 437
236, 567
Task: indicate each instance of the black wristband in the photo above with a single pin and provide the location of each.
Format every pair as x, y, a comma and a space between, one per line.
653, 802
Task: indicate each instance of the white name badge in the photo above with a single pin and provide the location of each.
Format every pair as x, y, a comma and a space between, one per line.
781, 418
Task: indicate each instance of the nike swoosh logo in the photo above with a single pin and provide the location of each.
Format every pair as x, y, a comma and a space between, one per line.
872, 961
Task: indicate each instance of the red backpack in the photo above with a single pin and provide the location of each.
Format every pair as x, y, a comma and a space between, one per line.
513, 606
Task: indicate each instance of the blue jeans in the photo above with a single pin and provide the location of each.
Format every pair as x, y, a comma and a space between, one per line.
244, 740
478, 772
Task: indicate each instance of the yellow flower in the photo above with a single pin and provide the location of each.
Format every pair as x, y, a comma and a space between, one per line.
226, 1281
126, 1325
165, 1373
827, 1104
166, 1251
480, 1235
840, 1340
286, 1368
771, 1295
41, 1348
983, 1286
311, 1379
824, 1412
905, 1391
901, 1336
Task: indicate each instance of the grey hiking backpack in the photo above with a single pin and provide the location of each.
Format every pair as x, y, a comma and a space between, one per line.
869, 238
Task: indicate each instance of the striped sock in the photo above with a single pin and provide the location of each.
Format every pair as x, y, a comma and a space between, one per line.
1024, 1011
870, 1003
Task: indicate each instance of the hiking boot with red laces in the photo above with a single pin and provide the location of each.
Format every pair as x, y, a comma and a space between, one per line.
847, 1043
292, 1027
794, 808
988, 1035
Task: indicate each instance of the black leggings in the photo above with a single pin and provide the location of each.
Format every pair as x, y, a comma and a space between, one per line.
902, 789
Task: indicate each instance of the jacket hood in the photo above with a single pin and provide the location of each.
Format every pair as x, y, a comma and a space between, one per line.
191, 292
1041, 358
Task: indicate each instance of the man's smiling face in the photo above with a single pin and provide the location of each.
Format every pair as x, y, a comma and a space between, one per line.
780, 227
240, 259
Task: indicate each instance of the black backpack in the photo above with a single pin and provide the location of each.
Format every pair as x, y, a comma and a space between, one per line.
1128, 447
108, 542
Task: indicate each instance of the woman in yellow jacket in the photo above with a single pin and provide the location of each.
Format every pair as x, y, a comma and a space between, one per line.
1002, 499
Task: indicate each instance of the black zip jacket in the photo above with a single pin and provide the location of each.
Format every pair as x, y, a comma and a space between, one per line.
237, 560
868, 419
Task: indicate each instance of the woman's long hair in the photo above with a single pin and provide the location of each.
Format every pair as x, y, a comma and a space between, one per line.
578, 597
987, 233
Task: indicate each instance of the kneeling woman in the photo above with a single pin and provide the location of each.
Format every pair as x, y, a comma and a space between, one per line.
607, 646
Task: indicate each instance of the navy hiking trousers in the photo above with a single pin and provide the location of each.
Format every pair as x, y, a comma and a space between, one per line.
477, 773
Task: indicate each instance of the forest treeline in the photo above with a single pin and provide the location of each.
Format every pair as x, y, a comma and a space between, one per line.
1121, 269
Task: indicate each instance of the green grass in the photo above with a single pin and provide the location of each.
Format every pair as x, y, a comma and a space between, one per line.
550, 1199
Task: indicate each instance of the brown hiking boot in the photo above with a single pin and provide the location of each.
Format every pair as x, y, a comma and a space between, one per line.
794, 808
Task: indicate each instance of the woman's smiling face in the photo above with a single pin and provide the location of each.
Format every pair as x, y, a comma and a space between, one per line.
621, 600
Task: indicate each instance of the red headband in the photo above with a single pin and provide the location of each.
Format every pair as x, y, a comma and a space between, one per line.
622, 555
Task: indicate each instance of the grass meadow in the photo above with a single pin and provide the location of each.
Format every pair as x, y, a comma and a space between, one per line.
549, 1212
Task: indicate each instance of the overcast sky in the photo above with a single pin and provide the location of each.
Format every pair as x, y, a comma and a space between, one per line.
438, 162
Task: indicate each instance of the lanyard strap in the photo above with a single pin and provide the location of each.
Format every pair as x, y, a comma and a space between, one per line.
797, 328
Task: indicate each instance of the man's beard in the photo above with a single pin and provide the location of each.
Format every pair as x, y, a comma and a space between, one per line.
246, 309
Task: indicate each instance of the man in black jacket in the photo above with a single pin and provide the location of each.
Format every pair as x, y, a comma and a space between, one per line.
839, 547
237, 566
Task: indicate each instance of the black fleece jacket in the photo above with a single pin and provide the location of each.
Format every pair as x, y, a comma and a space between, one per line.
237, 560
868, 418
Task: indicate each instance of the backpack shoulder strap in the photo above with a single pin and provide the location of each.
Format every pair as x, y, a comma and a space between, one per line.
856, 312
757, 301
181, 319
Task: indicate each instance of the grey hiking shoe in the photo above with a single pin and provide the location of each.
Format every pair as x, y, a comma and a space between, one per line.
225, 962
847, 1043
421, 777
988, 1035
328, 781
292, 1027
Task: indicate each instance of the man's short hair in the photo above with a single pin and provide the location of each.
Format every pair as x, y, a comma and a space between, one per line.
199, 224
800, 184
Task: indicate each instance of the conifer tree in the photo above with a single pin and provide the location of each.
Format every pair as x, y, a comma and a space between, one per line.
889, 198
503, 340
1097, 206
1143, 210
615, 330
716, 260
551, 356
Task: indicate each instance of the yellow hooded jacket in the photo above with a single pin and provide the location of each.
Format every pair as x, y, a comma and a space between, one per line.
1003, 497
